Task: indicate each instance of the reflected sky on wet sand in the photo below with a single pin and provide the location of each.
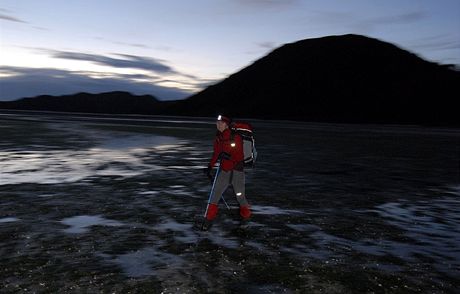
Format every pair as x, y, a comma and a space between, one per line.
115, 156
82, 223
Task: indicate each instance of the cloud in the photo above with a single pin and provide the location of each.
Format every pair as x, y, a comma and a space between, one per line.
135, 45
19, 82
438, 46
11, 18
404, 18
128, 61
267, 3
350, 21
372, 24
125, 61
267, 45
440, 42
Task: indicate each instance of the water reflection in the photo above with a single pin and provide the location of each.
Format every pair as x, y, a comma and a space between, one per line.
181, 232
145, 262
273, 210
8, 219
432, 225
81, 223
115, 156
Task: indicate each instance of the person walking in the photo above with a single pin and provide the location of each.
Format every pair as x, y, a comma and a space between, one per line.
228, 149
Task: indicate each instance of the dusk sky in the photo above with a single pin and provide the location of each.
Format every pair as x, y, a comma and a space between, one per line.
171, 49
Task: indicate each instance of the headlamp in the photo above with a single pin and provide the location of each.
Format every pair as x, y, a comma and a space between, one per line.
223, 118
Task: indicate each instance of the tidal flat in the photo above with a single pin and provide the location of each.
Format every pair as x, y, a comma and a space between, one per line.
107, 204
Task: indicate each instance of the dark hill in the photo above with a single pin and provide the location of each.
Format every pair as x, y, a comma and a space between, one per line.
347, 78
111, 102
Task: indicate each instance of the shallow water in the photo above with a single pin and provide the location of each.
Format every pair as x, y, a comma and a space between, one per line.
107, 204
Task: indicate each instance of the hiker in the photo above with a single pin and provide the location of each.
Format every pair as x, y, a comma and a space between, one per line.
228, 149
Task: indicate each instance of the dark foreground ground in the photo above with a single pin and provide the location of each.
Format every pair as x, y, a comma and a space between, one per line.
92, 205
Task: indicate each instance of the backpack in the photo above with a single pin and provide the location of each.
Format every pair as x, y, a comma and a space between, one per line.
246, 132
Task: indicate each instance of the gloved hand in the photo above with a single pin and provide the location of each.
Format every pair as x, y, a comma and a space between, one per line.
208, 172
224, 155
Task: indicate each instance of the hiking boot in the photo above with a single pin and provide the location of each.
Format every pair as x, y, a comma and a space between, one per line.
245, 212
211, 211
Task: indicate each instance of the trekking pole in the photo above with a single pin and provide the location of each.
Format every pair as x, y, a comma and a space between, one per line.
228, 207
221, 196
212, 190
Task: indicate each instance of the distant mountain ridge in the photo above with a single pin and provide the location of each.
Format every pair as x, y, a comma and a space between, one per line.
348, 78
116, 102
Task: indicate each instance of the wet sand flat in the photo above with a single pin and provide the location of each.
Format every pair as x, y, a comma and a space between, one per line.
107, 204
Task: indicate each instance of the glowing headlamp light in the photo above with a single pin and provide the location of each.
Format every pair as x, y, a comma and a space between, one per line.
224, 119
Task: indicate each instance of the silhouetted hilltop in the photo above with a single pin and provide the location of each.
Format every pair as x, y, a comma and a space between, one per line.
348, 78
111, 102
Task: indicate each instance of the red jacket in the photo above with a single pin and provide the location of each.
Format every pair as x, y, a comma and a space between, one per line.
223, 143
